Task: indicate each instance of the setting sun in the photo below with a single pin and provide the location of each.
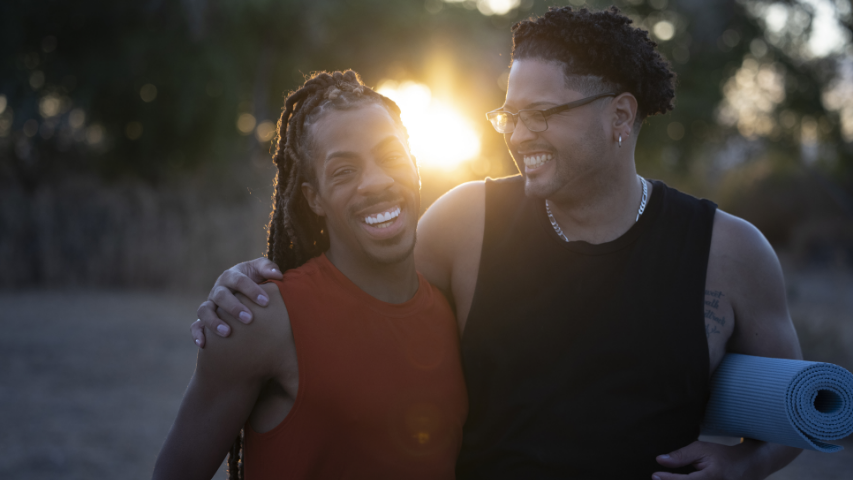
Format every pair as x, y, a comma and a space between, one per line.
438, 134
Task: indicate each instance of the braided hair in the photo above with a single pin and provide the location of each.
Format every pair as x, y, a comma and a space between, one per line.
295, 233
600, 51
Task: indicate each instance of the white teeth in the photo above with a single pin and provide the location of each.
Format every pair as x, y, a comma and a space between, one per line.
380, 218
534, 161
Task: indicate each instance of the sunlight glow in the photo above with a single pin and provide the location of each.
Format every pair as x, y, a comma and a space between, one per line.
664, 30
839, 98
490, 7
827, 34
438, 134
751, 98
790, 21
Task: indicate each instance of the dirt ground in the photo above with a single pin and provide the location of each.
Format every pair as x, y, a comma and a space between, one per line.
91, 381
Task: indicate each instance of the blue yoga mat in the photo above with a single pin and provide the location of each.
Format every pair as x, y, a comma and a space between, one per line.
791, 402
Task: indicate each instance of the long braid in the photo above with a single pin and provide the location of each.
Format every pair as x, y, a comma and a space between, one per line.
295, 233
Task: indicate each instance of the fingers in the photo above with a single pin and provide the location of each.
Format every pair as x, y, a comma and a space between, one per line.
235, 281
683, 456
267, 269
259, 269
224, 298
208, 318
197, 330
675, 476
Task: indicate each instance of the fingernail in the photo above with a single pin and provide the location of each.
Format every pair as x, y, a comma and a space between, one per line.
262, 300
655, 477
665, 457
222, 329
198, 342
274, 270
245, 317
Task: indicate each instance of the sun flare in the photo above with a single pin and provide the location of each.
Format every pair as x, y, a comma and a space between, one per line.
440, 136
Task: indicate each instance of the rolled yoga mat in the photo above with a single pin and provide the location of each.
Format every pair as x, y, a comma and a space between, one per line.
791, 402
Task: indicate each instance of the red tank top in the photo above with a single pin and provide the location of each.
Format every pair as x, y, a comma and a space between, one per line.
381, 392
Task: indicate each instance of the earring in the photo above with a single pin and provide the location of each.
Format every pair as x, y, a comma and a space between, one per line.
620, 141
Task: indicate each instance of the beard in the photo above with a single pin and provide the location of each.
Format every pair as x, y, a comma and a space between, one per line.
580, 163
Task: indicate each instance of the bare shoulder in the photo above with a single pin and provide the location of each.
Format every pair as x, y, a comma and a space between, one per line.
463, 202
252, 350
736, 236
451, 228
744, 264
742, 256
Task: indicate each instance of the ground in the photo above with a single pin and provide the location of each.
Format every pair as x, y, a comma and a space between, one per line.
91, 381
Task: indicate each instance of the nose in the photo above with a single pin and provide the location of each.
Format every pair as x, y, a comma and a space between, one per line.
520, 134
374, 180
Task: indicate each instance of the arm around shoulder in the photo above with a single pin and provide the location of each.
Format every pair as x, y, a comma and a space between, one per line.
450, 227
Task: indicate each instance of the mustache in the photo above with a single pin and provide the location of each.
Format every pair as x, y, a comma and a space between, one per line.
385, 197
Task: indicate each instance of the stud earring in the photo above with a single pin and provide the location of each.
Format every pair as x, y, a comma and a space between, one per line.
620, 141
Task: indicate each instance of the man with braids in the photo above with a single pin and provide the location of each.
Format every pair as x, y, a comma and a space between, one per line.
352, 370
594, 303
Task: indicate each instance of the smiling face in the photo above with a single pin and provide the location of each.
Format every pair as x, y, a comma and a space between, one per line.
367, 184
573, 150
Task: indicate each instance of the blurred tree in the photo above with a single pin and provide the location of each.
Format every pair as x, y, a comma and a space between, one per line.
153, 88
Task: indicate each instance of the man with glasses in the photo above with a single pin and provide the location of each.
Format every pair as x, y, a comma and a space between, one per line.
594, 304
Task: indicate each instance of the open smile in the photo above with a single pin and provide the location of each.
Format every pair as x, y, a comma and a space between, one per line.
535, 160
385, 223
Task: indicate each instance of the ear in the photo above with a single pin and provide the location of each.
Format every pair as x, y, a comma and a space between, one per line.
624, 108
313, 198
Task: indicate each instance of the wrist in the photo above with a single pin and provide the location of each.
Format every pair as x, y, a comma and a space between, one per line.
765, 458
758, 465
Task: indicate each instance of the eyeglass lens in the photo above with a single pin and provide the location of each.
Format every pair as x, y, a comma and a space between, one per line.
504, 122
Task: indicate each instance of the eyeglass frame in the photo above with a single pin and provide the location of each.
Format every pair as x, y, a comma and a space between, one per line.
545, 113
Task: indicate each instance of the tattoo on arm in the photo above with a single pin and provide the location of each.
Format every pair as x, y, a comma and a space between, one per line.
709, 329
712, 305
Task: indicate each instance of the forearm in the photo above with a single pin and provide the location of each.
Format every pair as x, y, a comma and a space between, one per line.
768, 458
207, 424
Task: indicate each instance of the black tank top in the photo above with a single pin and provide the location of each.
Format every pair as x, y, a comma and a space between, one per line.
585, 361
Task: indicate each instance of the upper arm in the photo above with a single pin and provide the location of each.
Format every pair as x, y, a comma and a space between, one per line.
754, 279
228, 377
450, 232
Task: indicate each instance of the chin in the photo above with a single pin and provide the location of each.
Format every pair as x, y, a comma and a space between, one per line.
540, 187
393, 250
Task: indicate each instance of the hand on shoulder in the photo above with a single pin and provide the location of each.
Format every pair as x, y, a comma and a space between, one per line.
251, 350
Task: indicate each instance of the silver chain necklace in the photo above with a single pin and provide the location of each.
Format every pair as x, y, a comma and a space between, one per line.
639, 211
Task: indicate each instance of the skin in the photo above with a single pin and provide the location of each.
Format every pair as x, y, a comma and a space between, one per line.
362, 167
592, 188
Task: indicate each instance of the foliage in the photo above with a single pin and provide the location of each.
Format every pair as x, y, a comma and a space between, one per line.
152, 89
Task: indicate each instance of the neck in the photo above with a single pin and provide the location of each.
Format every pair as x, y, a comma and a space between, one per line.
392, 282
602, 209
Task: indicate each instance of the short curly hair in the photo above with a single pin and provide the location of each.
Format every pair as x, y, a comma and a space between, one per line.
600, 44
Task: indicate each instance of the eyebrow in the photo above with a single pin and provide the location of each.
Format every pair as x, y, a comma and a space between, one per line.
385, 142
353, 155
340, 154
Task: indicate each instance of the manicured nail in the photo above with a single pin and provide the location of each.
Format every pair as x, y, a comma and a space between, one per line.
222, 329
665, 457
198, 342
263, 300
245, 317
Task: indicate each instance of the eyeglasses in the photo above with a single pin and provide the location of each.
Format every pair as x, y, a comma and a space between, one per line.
534, 120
